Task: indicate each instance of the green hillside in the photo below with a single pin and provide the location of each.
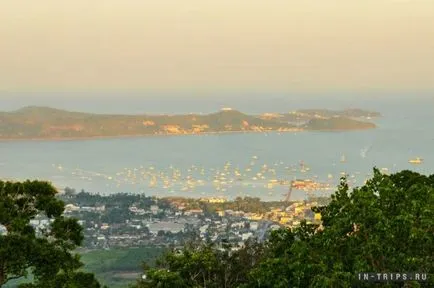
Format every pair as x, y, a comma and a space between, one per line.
337, 123
48, 123
119, 267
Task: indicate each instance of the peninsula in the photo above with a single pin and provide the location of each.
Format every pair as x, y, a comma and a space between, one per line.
49, 123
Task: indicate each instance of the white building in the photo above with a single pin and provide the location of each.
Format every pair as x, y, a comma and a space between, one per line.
246, 236
253, 226
3, 230
71, 207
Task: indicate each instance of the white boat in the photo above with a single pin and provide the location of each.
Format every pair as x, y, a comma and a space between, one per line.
416, 160
364, 151
343, 159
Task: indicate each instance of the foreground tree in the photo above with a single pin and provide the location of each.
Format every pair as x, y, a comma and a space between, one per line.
46, 253
204, 266
385, 226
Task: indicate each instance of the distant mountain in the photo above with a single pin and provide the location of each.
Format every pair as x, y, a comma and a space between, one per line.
49, 123
350, 113
304, 115
337, 124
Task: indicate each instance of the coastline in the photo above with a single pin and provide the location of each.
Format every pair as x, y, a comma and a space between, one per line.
101, 137
85, 138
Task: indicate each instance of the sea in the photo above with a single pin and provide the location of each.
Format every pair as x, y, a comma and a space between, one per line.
232, 165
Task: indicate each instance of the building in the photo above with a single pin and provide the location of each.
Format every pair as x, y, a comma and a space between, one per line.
193, 212
284, 220
71, 208
221, 213
154, 209
3, 230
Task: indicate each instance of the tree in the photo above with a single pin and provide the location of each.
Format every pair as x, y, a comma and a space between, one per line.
384, 226
387, 225
45, 253
204, 266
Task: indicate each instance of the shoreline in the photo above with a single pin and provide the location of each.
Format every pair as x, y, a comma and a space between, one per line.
101, 137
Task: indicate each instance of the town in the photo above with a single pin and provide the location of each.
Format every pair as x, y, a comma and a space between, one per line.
131, 220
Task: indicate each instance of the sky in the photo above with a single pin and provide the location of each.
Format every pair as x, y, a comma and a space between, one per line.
212, 46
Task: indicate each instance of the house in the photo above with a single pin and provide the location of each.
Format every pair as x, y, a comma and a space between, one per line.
246, 236
34, 222
274, 227
71, 208
194, 212
45, 222
238, 225
3, 230
253, 226
203, 229
221, 213
154, 209
253, 216
284, 220
100, 208
105, 226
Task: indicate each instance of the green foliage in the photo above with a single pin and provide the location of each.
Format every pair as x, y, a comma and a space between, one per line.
128, 259
118, 200
44, 122
387, 225
384, 226
204, 266
337, 123
47, 253
118, 267
63, 280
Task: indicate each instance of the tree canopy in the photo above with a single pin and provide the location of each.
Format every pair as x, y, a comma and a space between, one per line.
204, 265
387, 225
46, 252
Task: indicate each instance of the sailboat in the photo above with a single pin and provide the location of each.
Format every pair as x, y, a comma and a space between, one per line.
343, 158
364, 151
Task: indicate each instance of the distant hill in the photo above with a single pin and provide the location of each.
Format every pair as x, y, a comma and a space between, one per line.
305, 115
337, 124
350, 113
49, 123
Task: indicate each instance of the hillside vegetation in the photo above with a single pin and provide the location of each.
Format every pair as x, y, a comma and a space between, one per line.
49, 123
382, 227
337, 123
117, 267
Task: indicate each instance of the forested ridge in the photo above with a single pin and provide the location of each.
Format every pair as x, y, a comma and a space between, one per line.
50, 123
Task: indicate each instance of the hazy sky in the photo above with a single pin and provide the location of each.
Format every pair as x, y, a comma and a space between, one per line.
209, 45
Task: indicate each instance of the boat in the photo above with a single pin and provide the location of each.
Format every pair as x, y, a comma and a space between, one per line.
416, 160
364, 151
343, 159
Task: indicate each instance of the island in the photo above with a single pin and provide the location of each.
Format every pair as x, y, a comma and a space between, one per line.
50, 123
